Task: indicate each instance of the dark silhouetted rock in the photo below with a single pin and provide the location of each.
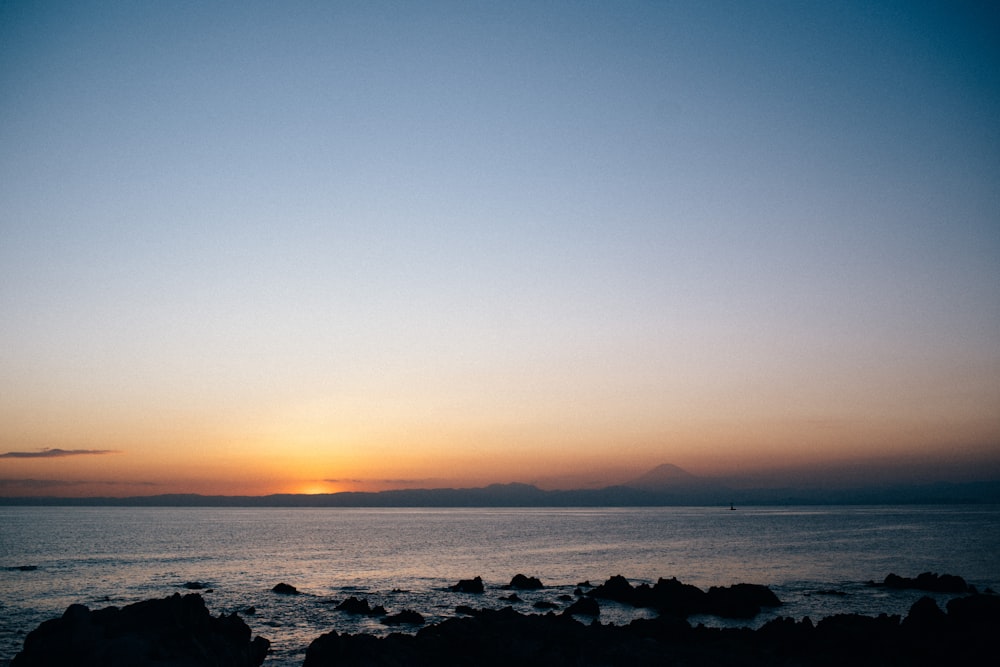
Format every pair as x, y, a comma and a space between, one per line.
333, 649
498, 638
285, 589
468, 586
195, 585
786, 633
583, 607
545, 604
619, 589
739, 600
928, 581
874, 638
353, 605
176, 631
974, 611
678, 600
405, 617
465, 609
513, 597
925, 616
524, 583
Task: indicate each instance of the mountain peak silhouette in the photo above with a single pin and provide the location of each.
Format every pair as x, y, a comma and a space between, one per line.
666, 477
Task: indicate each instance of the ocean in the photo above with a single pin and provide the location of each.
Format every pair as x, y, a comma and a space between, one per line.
51, 557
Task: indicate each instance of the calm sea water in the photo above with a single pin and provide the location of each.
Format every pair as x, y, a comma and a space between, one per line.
406, 558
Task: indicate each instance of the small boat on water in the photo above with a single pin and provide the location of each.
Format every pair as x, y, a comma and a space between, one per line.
731, 506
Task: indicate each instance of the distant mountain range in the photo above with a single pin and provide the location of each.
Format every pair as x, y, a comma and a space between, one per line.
665, 485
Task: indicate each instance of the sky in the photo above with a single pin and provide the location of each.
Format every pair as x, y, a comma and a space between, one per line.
269, 247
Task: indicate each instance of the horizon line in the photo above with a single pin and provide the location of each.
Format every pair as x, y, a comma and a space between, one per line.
506, 495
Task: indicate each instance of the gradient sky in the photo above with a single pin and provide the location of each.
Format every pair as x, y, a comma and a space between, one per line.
311, 246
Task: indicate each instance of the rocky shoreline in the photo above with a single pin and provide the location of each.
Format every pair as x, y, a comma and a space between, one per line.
180, 631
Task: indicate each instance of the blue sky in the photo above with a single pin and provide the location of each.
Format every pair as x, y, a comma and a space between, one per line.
437, 239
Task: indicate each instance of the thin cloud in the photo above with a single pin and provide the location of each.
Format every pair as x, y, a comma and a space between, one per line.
38, 483
377, 481
57, 453
393, 484
30, 483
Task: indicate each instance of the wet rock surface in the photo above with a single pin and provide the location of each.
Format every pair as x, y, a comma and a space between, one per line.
177, 631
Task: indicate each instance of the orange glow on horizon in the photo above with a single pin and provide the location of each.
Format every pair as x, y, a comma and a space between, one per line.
315, 489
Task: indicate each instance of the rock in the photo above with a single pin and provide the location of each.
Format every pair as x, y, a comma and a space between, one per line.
928, 581
974, 611
353, 605
739, 600
545, 604
175, 630
678, 600
616, 588
465, 609
785, 632
468, 586
513, 597
583, 607
405, 617
873, 638
523, 583
925, 616
335, 649
195, 586
498, 638
285, 589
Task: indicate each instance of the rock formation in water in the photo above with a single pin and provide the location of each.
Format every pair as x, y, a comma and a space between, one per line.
354, 606
285, 589
405, 617
176, 631
495, 638
927, 581
672, 598
583, 607
521, 582
468, 586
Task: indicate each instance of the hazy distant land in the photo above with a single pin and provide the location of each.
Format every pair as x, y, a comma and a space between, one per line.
666, 485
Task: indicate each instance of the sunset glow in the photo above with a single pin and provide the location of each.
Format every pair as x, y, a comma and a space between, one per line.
338, 246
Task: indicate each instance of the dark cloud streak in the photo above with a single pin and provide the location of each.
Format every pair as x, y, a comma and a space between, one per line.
47, 483
57, 453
